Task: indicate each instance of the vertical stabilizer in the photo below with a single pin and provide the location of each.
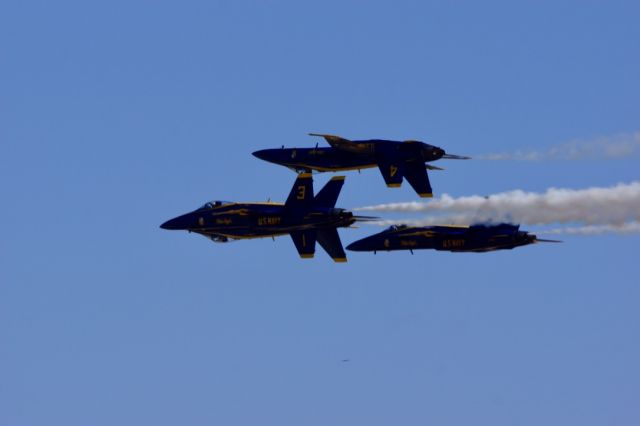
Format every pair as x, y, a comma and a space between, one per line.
328, 195
301, 195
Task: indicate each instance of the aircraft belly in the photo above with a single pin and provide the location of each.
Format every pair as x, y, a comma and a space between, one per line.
323, 166
327, 159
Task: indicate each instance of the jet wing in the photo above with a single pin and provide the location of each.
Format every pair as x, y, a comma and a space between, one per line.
337, 142
416, 174
305, 242
333, 140
342, 144
329, 239
392, 174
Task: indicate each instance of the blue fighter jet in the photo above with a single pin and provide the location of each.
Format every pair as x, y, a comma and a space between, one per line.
396, 160
306, 218
476, 238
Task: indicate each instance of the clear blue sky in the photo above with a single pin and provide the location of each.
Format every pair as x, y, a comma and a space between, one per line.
116, 116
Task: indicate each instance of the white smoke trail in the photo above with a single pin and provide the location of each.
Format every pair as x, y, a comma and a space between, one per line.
608, 147
625, 228
614, 205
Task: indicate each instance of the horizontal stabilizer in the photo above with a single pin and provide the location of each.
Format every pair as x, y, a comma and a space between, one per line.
366, 218
542, 240
430, 167
455, 157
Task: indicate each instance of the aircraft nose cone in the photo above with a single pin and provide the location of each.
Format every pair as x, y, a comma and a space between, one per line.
174, 224
168, 225
357, 246
262, 154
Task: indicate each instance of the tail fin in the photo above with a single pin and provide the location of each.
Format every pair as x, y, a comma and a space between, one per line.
305, 242
301, 195
329, 194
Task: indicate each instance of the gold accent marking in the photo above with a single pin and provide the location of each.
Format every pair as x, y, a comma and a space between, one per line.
331, 169
302, 190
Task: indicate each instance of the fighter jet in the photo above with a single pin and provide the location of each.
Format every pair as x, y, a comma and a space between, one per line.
396, 160
306, 218
476, 238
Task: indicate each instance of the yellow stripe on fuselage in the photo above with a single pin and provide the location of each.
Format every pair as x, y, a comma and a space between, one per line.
249, 203
249, 237
331, 169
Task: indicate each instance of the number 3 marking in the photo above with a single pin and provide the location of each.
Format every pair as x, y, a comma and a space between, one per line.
301, 192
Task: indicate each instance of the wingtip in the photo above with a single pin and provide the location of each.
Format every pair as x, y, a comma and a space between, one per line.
340, 259
307, 256
426, 195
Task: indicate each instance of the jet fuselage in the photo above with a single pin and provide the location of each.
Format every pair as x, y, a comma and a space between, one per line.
307, 217
397, 160
363, 155
256, 220
477, 238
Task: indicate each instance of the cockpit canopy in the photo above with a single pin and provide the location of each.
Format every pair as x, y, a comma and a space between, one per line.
212, 204
397, 227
